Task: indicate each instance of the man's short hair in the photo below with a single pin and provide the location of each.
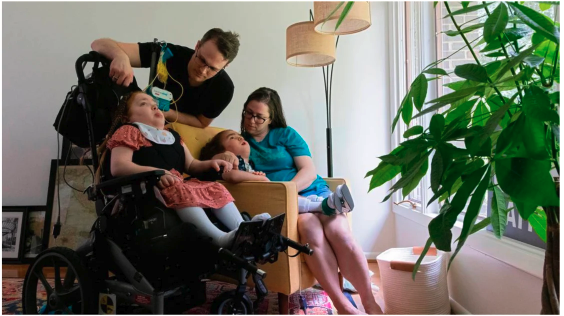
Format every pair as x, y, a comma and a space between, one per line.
227, 42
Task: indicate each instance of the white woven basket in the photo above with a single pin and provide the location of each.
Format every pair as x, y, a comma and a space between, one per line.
428, 294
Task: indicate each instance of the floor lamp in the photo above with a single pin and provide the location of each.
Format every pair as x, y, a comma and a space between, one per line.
313, 44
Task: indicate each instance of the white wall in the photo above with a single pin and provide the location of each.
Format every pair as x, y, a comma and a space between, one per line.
478, 280
42, 41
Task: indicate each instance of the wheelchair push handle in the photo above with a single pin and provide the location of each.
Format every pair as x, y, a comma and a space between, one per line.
228, 255
93, 57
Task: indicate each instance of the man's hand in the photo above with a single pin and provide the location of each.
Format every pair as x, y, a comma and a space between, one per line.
121, 71
229, 157
216, 164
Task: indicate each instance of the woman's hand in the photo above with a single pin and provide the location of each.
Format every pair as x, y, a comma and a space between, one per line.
121, 71
259, 173
229, 157
167, 180
216, 164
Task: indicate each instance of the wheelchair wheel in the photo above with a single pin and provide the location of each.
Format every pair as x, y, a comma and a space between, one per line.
71, 293
227, 304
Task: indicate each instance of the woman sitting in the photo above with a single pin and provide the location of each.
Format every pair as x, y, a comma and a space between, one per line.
281, 153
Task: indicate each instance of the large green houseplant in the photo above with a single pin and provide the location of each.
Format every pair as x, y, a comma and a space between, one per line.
506, 113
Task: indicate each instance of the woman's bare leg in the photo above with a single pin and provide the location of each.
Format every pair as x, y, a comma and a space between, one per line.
350, 258
323, 263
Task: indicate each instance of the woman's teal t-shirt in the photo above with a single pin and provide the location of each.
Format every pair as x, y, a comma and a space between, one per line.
274, 155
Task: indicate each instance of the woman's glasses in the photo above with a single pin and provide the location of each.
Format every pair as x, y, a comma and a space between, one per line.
258, 119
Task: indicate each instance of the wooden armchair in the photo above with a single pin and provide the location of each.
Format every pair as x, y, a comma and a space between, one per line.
288, 274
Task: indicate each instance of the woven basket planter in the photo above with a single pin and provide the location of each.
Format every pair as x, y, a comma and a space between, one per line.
428, 294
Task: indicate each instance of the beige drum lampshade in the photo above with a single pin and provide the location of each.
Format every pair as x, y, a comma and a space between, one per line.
307, 48
358, 18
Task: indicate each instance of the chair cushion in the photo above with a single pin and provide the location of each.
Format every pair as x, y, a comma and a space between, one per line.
194, 137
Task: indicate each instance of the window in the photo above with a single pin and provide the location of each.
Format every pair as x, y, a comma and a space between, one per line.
423, 38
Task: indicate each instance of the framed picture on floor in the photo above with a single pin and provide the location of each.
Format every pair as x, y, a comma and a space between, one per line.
37, 232
13, 231
66, 198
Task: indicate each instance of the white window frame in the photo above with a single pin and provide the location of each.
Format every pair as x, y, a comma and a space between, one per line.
519, 255
410, 31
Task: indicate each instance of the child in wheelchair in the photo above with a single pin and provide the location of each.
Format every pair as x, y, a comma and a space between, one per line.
143, 144
338, 202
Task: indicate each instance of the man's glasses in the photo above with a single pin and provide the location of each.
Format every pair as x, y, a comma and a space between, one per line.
259, 120
203, 63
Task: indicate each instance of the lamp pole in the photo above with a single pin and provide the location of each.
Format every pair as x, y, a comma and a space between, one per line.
328, 84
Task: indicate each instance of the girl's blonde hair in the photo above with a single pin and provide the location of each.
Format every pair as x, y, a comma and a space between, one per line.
121, 116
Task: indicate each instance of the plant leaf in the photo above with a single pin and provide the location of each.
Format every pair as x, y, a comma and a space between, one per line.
544, 6
465, 4
440, 226
459, 111
496, 23
527, 181
415, 130
407, 112
523, 138
382, 174
514, 34
407, 98
411, 173
468, 9
344, 14
421, 257
436, 171
495, 102
465, 30
538, 222
472, 212
493, 122
419, 91
418, 176
437, 126
495, 54
536, 104
537, 21
516, 60
480, 115
436, 71
499, 212
472, 72
525, 209
475, 149
333, 12
478, 227
448, 99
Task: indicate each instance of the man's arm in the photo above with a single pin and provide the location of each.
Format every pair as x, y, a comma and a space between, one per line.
123, 57
187, 119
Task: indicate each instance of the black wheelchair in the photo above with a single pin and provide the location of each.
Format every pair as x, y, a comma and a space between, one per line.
140, 257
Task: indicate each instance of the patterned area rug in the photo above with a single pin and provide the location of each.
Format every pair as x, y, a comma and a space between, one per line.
314, 301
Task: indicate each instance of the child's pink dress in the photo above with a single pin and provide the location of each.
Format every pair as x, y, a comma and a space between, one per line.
183, 193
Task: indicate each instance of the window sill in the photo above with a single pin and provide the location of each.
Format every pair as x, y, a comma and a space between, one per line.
519, 255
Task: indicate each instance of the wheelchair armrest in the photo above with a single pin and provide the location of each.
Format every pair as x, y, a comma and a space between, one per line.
151, 176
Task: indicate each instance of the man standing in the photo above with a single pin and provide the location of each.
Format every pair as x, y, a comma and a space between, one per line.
201, 87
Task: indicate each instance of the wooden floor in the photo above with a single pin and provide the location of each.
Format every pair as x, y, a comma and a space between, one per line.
372, 266
19, 270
